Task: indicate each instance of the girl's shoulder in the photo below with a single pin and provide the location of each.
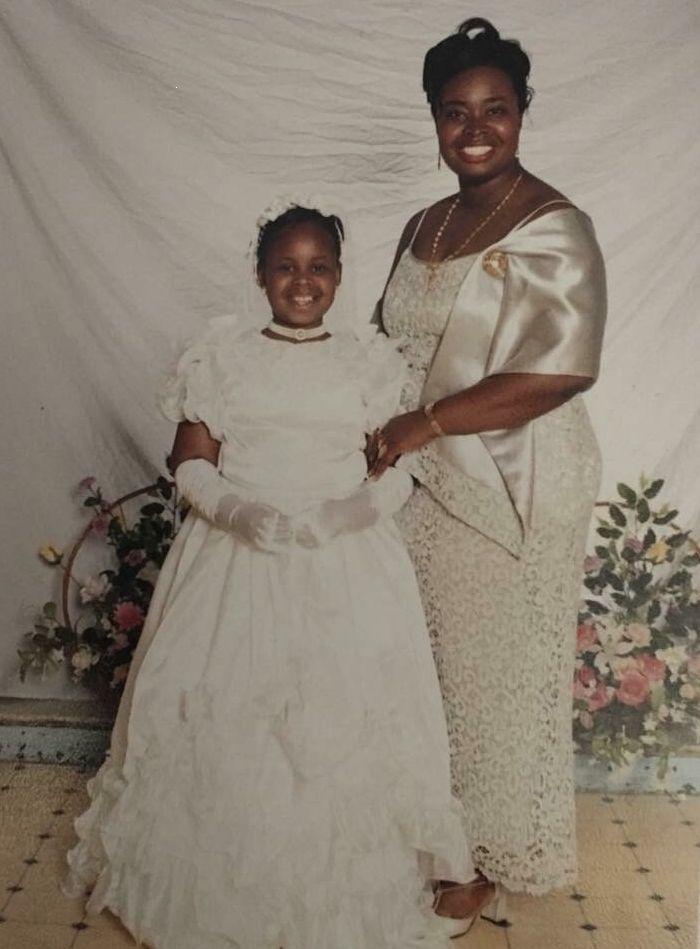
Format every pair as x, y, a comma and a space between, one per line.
368, 343
372, 357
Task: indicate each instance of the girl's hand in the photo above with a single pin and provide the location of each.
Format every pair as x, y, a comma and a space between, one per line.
400, 435
262, 526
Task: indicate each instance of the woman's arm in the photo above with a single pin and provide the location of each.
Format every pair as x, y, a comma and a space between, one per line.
503, 401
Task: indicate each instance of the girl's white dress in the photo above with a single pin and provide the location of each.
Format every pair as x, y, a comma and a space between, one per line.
285, 778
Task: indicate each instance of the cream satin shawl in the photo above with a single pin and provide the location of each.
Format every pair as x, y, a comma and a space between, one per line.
535, 302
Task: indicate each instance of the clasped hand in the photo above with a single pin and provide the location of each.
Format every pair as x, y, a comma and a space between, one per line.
400, 435
267, 529
262, 526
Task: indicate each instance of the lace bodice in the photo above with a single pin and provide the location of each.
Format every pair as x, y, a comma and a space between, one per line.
419, 316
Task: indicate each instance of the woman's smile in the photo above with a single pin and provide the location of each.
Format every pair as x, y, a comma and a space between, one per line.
476, 153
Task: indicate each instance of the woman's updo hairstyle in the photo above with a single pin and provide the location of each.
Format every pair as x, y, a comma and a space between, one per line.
460, 51
297, 215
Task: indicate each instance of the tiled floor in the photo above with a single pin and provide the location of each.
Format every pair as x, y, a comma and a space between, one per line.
640, 860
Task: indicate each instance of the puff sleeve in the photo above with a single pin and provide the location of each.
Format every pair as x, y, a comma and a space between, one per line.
192, 390
385, 374
554, 303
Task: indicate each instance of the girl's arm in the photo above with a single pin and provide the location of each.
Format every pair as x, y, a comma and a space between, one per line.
192, 440
193, 461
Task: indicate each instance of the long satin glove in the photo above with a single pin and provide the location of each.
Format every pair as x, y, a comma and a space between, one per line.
372, 502
261, 526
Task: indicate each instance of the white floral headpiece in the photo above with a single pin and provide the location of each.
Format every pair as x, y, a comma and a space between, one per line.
285, 202
313, 202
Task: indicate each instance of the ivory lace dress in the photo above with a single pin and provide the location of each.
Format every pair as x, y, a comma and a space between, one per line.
502, 626
285, 779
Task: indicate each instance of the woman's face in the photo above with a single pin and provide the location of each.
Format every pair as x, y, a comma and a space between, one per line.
301, 274
478, 123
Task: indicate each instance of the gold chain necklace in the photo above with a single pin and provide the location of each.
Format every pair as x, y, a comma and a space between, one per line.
433, 264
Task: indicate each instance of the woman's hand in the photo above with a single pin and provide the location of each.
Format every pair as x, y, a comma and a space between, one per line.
400, 435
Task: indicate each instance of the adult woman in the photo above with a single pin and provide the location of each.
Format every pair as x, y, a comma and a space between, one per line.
500, 293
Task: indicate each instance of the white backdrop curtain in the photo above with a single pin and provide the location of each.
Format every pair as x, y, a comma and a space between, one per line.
140, 138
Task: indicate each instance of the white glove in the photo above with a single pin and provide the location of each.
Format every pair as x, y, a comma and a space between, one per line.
260, 525
372, 502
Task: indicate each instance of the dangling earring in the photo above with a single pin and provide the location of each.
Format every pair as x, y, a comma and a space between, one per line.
439, 160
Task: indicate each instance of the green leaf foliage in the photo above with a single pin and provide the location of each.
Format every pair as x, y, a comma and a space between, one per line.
627, 494
154, 508
617, 515
643, 510
613, 532
649, 538
665, 518
598, 609
653, 488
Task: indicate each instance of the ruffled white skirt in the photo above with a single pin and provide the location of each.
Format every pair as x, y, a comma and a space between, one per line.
286, 775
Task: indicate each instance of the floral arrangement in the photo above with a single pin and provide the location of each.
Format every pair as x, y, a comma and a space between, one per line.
97, 646
637, 681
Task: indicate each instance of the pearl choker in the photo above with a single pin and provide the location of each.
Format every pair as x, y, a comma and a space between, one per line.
297, 333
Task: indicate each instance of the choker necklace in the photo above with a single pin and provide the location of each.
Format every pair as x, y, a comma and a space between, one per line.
298, 333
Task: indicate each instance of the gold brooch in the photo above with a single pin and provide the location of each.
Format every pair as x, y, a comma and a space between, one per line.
495, 263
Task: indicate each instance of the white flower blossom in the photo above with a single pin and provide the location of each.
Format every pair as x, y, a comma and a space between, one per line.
677, 713
93, 589
83, 658
612, 645
674, 657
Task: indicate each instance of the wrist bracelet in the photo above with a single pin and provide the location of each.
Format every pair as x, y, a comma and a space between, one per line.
432, 421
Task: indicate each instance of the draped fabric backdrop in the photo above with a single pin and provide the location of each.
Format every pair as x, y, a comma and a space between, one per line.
141, 138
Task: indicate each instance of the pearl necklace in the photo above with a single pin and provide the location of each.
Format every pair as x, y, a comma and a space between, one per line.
433, 264
297, 333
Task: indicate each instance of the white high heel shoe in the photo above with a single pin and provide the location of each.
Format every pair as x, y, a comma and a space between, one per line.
449, 927
495, 909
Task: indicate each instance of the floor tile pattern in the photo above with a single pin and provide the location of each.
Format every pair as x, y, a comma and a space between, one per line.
638, 886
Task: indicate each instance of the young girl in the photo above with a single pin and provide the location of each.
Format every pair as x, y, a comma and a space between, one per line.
279, 767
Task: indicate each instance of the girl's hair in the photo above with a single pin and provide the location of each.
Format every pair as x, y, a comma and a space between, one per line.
297, 215
460, 51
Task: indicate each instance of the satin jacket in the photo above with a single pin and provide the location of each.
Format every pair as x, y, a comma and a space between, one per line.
534, 302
